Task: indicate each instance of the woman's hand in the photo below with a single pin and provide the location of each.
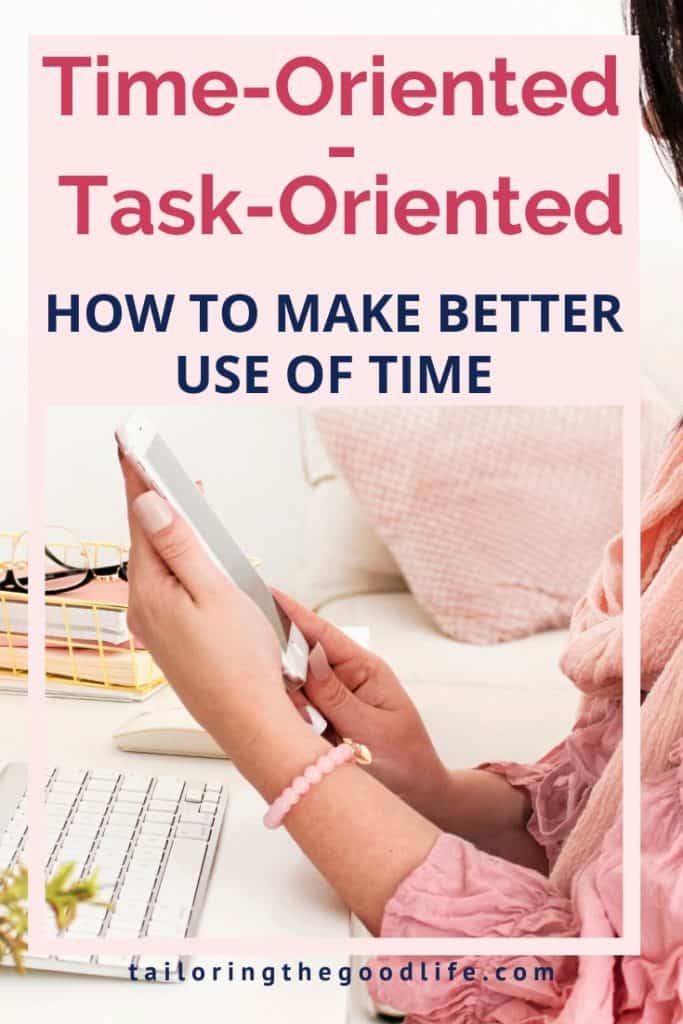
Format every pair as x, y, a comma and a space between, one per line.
222, 657
361, 698
211, 641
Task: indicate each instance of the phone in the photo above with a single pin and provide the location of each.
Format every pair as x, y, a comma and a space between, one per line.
143, 445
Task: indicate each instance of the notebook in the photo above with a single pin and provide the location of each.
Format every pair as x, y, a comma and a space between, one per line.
99, 608
116, 667
88, 646
69, 688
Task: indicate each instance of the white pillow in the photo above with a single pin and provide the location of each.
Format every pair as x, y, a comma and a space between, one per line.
342, 555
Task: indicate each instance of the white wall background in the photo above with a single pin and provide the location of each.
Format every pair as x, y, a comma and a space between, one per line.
264, 509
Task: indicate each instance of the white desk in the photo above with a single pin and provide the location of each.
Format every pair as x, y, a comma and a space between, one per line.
262, 886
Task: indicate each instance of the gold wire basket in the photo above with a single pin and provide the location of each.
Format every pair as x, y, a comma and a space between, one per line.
76, 665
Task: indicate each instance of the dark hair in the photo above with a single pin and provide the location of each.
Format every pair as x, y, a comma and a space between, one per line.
659, 27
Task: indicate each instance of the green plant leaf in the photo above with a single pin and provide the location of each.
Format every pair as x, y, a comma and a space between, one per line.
61, 894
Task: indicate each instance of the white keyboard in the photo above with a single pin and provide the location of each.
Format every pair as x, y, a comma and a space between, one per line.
151, 839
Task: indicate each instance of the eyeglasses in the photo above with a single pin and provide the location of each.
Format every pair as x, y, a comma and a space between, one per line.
70, 562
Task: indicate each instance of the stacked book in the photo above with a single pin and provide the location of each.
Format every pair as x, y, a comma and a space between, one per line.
88, 649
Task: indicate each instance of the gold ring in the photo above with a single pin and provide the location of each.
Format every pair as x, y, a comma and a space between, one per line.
361, 753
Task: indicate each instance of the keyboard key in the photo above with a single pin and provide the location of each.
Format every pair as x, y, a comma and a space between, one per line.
130, 796
100, 786
85, 818
80, 831
123, 817
151, 828
106, 960
76, 846
72, 775
118, 831
194, 816
171, 914
67, 788
136, 888
57, 820
122, 931
109, 876
129, 911
133, 892
179, 882
88, 922
159, 817
113, 846
193, 832
168, 788
129, 801
144, 856
135, 784
107, 887
93, 802
150, 842
194, 794
60, 798
164, 806
167, 930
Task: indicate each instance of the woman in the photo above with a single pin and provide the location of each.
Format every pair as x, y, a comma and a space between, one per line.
415, 849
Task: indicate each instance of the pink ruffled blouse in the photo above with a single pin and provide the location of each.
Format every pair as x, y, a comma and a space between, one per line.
451, 894
462, 891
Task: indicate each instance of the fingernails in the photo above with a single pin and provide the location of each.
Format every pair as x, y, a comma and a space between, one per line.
153, 512
304, 712
318, 663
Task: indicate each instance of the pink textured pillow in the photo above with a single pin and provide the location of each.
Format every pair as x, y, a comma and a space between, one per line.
496, 516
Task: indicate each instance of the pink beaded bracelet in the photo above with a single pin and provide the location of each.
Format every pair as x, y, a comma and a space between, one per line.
326, 763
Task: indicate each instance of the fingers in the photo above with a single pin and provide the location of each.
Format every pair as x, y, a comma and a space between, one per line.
176, 545
338, 647
329, 694
161, 542
133, 482
143, 559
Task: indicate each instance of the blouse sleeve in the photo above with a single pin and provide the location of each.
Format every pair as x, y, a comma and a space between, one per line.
560, 783
461, 891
